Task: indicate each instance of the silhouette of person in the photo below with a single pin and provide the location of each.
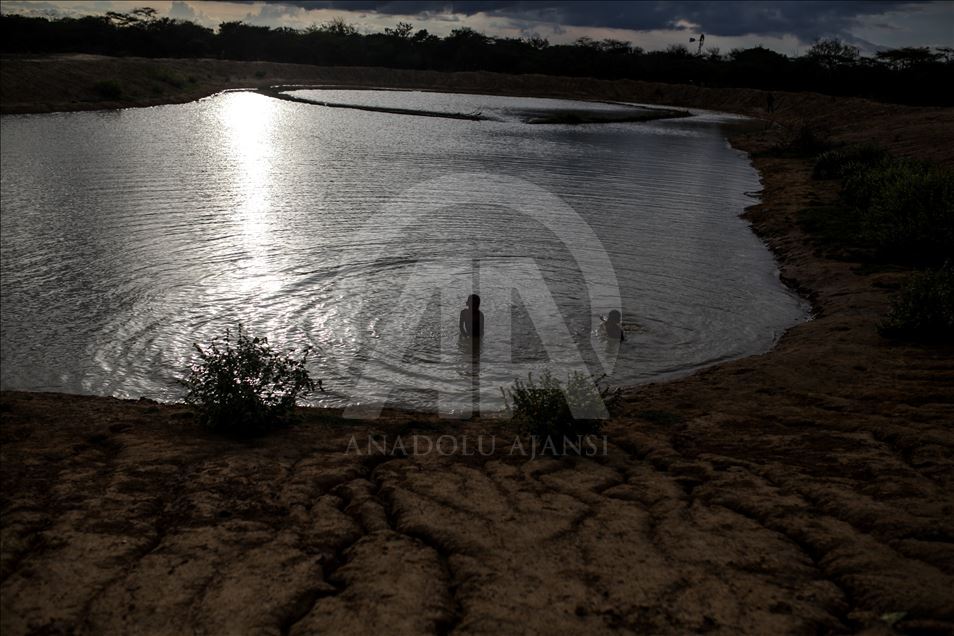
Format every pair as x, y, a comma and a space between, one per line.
612, 327
770, 102
472, 319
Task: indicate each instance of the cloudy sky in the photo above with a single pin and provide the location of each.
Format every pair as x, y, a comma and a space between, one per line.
788, 27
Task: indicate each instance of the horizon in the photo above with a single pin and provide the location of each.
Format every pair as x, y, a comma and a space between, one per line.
785, 27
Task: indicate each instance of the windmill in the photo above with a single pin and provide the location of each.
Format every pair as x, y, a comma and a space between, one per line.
702, 39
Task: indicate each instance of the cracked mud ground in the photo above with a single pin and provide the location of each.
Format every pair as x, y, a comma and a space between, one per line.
121, 519
807, 490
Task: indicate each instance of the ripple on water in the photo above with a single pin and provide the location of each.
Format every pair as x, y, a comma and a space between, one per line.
129, 235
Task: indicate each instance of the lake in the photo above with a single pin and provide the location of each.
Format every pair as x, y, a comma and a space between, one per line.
126, 236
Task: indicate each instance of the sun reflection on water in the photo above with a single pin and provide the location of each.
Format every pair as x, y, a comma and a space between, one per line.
249, 124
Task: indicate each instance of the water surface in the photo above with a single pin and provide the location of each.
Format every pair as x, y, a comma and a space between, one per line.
128, 235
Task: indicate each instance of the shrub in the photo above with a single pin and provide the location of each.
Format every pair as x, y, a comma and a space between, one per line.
835, 164
891, 210
546, 407
907, 209
108, 89
243, 386
260, 74
924, 308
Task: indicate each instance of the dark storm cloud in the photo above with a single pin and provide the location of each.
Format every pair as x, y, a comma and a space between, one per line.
804, 19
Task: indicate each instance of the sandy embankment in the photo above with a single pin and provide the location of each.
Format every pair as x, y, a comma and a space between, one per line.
807, 489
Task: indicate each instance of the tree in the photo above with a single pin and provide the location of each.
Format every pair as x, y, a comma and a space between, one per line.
134, 17
402, 30
833, 53
908, 57
587, 42
424, 36
462, 35
536, 42
947, 53
910, 75
337, 26
616, 47
678, 51
757, 56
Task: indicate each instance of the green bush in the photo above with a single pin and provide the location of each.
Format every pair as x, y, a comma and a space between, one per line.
108, 89
892, 210
835, 164
546, 407
907, 209
243, 386
924, 308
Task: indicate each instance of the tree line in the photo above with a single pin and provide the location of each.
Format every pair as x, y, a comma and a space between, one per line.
908, 75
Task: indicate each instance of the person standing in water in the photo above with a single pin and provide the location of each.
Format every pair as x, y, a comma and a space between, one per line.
612, 327
472, 319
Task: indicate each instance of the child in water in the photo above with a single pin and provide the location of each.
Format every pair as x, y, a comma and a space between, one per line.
612, 327
472, 319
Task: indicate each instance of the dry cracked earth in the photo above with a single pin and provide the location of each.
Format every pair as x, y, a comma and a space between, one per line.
125, 520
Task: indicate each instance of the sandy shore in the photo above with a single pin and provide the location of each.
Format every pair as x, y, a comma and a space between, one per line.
805, 490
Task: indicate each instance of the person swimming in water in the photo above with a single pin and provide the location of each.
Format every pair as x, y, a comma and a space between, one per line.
612, 327
471, 321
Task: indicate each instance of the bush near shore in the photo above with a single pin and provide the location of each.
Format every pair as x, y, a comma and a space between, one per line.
550, 408
241, 386
902, 209
894, 211
924, 308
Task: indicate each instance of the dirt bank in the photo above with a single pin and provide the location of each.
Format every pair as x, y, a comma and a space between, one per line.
805, 490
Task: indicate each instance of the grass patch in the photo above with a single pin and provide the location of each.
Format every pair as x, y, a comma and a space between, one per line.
548, 407
108, 89
835, 164
924, 308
